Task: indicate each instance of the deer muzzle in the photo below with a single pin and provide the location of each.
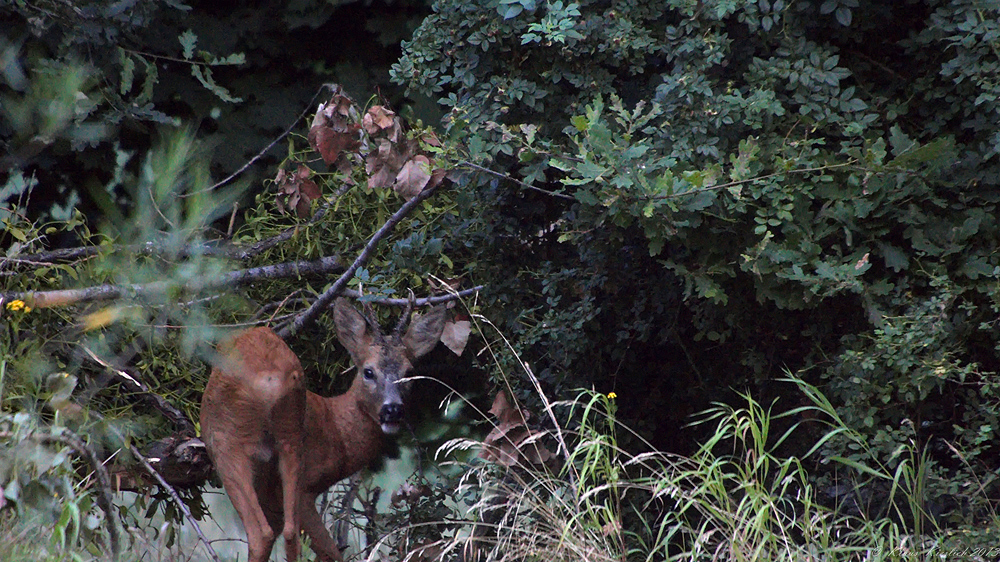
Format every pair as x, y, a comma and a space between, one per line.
391, 417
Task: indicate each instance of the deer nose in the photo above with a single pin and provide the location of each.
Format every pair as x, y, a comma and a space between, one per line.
391, 414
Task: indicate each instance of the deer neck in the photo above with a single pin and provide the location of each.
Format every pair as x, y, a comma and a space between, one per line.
352, 431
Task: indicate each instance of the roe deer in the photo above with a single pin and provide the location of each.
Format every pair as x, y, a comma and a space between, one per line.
277, 446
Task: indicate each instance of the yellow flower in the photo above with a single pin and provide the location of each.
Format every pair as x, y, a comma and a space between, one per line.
612, 395
18, 305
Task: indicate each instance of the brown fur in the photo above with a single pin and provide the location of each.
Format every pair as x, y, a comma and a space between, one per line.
268, 435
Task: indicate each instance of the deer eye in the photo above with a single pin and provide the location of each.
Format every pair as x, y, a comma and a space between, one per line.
369, 373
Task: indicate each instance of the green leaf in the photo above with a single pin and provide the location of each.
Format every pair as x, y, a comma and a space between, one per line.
234, 59
656, 245
894, 257
128, 73
205, 77
899, 141
591, 171
561, 165
510, 11
935, 150
152, 78
586, 197
17, 233
188, 42
843, 16
976, 267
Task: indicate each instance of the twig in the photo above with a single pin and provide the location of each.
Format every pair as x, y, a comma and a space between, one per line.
44, 258
146, 249
371, 515
748, 180
70, 439
173, 495
309, 315
343, 523
518, 182
260, 154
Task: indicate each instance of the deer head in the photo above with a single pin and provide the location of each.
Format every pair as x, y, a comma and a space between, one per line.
382, 360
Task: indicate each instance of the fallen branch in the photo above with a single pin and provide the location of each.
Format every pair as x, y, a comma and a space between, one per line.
177, 499
163, 484
46, 299
49, 258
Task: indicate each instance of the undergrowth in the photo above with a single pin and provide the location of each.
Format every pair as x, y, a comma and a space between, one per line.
558, 487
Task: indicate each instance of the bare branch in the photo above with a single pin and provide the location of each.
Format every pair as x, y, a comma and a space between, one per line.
309, 315
510, 178
426, 301
44, 299
44, 259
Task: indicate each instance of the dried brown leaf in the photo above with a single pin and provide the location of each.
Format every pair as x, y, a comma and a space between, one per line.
456, 335
377, 119
413, 177
512, 441
296, 191
331, 144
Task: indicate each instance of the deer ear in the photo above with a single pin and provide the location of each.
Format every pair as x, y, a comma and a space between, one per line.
352, 330
424, 334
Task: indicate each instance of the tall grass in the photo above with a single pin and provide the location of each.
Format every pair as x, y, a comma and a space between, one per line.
735, 499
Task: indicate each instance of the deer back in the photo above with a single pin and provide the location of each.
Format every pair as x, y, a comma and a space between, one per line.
257, 387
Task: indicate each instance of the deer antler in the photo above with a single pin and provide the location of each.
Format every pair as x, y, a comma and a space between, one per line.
369, 315
404, 319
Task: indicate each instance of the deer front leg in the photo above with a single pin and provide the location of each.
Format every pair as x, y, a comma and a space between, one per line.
322, 543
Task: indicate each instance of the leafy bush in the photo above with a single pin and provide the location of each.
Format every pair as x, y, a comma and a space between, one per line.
687, 197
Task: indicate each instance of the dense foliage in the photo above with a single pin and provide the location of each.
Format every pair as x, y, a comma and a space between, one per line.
709, 193
674, 201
